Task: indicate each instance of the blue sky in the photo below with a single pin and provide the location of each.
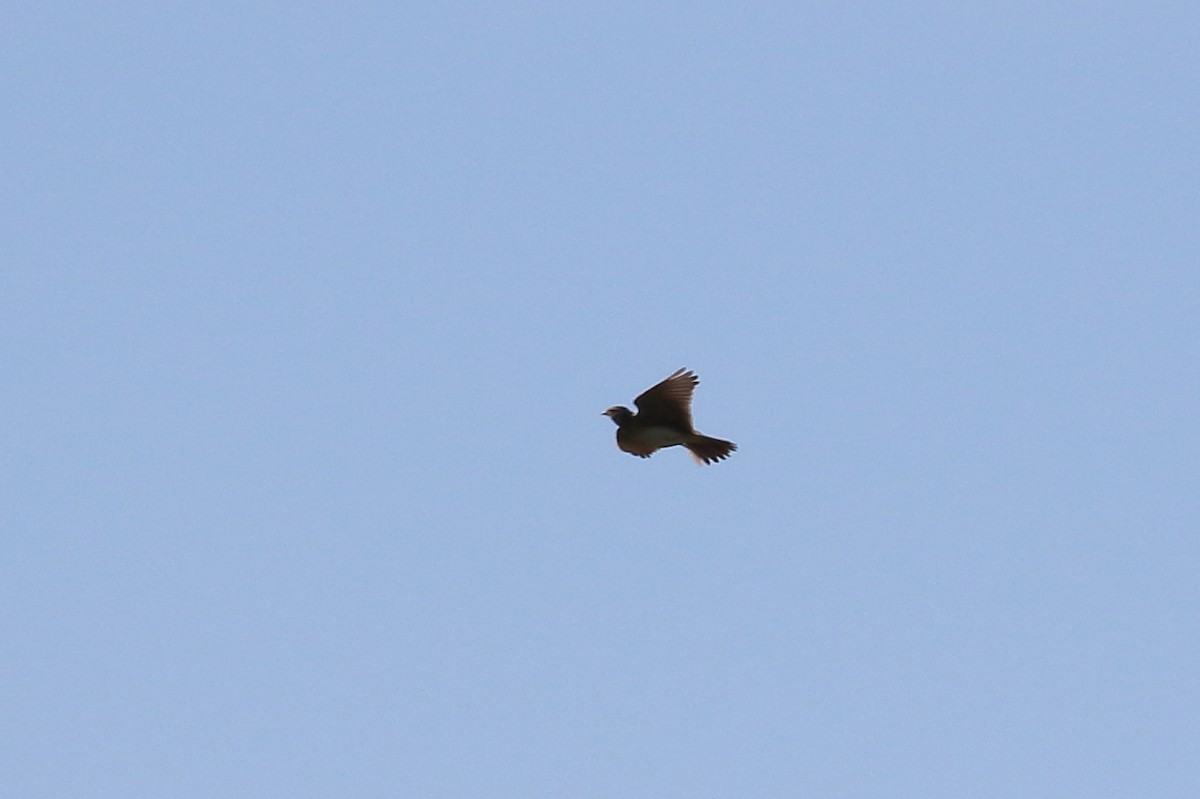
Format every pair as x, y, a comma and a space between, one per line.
310, 313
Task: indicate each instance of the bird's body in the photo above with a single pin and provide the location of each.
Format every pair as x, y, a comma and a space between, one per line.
664, 419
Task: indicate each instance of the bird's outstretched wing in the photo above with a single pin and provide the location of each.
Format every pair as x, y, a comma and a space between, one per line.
670, 402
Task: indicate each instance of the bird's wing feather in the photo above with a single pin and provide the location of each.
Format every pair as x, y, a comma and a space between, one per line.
669, 403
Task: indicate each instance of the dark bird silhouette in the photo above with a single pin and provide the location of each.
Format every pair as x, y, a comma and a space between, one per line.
664, 419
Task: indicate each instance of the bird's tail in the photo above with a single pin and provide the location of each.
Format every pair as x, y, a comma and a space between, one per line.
706, 449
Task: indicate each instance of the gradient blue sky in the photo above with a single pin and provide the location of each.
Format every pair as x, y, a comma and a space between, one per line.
309, 313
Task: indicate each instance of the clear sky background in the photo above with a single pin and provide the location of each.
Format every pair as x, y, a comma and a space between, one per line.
309, 314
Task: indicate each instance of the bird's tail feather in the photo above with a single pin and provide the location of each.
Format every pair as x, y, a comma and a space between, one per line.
706, 449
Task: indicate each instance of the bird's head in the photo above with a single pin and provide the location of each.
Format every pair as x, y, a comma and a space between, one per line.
619, 414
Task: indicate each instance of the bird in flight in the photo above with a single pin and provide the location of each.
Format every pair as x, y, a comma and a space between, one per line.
664, 419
